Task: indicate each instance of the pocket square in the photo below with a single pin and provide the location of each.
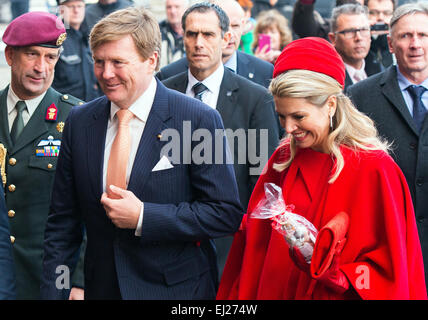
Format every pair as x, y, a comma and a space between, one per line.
163, 164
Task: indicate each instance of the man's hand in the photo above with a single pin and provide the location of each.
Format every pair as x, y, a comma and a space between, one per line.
77, 294
123, 212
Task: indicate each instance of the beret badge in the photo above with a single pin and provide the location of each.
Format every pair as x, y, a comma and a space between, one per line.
61, 39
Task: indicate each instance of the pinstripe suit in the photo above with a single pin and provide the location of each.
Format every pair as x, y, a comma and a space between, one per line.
184, 207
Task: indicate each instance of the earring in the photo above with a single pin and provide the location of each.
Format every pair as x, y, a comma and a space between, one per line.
331, 121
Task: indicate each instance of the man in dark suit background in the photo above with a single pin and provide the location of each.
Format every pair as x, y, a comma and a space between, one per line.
32, 115
149, 234
391, 100
245, 65
350, 35
243, 105
7, 271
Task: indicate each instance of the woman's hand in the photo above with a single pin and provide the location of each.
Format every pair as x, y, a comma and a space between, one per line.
266, 54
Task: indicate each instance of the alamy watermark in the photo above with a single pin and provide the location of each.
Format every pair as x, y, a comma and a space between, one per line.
201, 147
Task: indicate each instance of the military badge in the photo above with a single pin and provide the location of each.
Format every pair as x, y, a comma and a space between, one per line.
51, 113
61, 39
3, 153
48, 147
60, 127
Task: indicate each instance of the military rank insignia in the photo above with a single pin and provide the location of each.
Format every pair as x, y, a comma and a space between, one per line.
61, 39
48, 147
51, 113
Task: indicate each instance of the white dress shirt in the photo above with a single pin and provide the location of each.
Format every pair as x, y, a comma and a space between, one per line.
232, 63
356, 74
213, 83
11, 101
141, 109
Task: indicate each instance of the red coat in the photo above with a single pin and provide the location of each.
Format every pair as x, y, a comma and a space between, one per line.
382, 257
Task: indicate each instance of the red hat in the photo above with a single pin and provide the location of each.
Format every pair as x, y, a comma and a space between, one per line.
314, 54
35, 29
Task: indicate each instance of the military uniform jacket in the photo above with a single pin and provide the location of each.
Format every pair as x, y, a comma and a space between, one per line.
30, 175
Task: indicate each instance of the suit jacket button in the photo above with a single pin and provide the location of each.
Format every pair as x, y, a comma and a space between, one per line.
12, 239
11, 213
11, 188
412, 145
419, 182
12, 161
421, 219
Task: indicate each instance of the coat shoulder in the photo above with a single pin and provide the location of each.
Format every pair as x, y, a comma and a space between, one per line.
65, 100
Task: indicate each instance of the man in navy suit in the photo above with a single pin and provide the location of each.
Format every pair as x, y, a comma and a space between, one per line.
7, 270
245, 65
151, 240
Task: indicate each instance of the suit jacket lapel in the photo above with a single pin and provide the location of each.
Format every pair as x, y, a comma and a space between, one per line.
227, 96
4, 122
348, 80
96, 135
243, 66
392, 92
181, 81
148, 153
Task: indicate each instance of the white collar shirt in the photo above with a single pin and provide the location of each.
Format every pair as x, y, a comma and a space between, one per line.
213, 83
32, 104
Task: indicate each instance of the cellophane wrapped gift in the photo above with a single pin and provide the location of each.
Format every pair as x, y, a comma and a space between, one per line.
297, 231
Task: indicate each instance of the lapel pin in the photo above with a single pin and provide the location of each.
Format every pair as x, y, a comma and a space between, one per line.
229, 93
251, 75
60, 127
159, 136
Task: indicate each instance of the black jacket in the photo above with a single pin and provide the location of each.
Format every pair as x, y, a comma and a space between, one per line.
74, 71
248, 66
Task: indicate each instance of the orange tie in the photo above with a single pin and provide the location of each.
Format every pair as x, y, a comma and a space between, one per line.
119, 154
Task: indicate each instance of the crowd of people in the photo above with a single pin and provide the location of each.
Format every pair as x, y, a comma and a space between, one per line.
136, 155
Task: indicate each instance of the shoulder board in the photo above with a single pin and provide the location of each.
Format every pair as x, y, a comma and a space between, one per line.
69, 99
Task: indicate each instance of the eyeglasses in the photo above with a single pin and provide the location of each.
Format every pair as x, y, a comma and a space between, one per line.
378, 12
352, 33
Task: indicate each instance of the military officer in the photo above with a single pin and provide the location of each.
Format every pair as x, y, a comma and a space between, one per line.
32, 115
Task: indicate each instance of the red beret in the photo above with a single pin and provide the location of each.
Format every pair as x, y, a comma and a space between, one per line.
35, 29
313, 54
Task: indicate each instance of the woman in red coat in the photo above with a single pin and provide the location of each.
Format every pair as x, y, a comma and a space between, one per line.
331, 161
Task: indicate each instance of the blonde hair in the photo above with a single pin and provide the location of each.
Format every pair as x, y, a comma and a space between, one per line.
267, 20
351, 128
139, 23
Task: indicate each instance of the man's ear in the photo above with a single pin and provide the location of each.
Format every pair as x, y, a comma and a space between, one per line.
390, 46
226, 38
8, 53
332, 37
154, 60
